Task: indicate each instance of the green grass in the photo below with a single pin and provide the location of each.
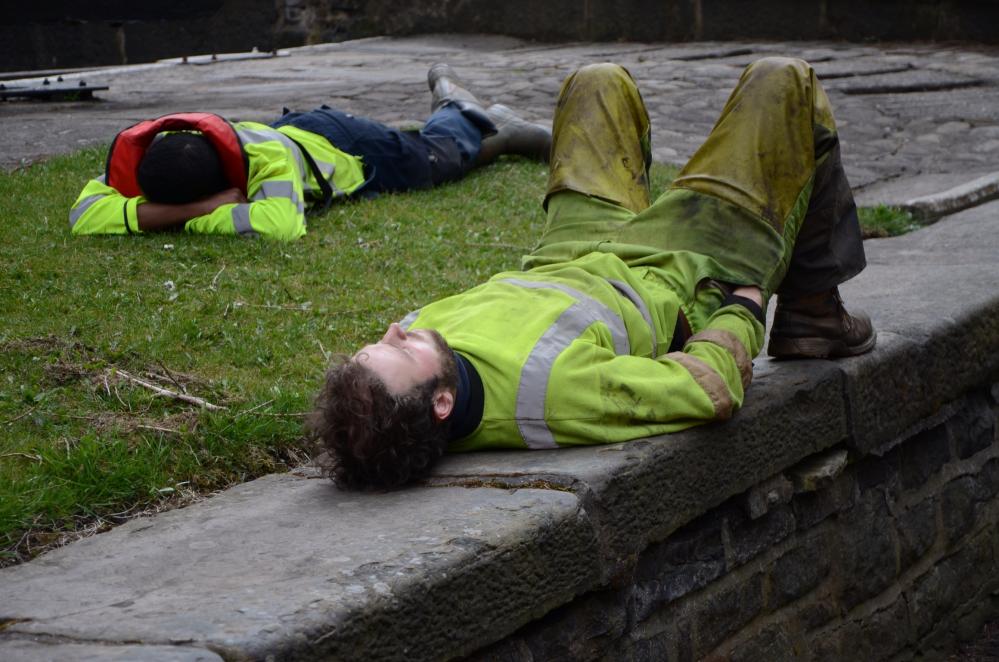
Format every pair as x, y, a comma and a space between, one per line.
246, 325
884, 221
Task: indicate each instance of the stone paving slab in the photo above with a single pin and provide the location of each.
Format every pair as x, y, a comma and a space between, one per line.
892, 128
292, 567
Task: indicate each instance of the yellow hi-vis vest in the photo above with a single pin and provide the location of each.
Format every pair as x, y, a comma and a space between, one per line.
578, 352
279, 183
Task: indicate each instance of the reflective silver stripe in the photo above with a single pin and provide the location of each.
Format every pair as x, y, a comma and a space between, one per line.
103, 179
252, 136
408, 320
276, 189
634, 297
76, 212
536, 373
241, 220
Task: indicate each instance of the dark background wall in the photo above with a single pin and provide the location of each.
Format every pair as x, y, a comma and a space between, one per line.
657, 20
63, 33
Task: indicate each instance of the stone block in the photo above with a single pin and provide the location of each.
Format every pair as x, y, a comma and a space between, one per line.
688, 560
771, 643
917, 529
886, 392
646, 650
932, 597
721, 612
879, 470
923, 455
667, 636
511, 649
760, 498
798, 571
827, 643
879, 635
866, 550
973, 429
810, 508
958, 500
818, 610
989, 476
587, 629
748, 538
297, 569
818, 472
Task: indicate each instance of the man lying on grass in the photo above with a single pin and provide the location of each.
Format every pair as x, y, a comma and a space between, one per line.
201, 173
629, 319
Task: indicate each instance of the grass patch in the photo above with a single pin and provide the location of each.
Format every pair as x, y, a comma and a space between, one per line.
242, 324
246, 325
885, 221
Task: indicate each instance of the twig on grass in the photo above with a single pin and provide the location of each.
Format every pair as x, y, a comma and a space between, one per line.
157, 429
296, 307
290, 414
215, 280
167, 393
170, 374
36, 458
21, 415
255, 408
326, 355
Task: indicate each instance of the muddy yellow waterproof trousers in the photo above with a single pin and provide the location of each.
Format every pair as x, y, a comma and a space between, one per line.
769, 168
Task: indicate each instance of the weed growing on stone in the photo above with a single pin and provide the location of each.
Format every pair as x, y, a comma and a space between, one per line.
885, 221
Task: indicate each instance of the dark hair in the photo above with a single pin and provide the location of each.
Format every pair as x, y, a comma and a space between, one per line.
179, 168
374, 438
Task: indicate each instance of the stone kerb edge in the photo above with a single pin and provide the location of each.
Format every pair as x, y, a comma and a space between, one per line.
452, 601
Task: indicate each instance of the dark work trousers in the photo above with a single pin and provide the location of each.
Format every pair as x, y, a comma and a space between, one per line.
395, 160
829, 249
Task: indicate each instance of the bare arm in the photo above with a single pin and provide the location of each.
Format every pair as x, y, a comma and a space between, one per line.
155, 216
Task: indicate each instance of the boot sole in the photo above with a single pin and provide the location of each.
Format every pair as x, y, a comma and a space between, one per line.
817, 348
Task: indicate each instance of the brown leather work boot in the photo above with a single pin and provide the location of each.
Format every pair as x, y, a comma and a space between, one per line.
514, 136
445, 87
819, 327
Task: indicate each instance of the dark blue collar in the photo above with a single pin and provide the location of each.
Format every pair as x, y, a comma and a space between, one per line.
468, 400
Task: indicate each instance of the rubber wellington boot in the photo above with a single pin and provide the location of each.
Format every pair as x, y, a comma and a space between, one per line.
446, 87
514, 136
819, 327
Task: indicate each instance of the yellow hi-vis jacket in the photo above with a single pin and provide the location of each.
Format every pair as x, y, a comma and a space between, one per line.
577, 352
278, 184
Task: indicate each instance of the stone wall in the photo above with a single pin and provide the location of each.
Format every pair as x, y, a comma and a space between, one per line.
682, 20
845, 556
65, 34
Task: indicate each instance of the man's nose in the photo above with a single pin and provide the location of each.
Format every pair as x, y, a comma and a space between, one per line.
394, 333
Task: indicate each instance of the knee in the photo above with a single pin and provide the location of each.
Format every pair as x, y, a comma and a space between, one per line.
601, 74
780, 67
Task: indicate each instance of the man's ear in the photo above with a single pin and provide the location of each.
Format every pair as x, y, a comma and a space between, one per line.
443, 404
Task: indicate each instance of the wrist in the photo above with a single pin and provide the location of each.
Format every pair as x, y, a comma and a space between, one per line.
749, 298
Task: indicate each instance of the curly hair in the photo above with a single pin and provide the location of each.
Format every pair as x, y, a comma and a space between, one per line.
373, 438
